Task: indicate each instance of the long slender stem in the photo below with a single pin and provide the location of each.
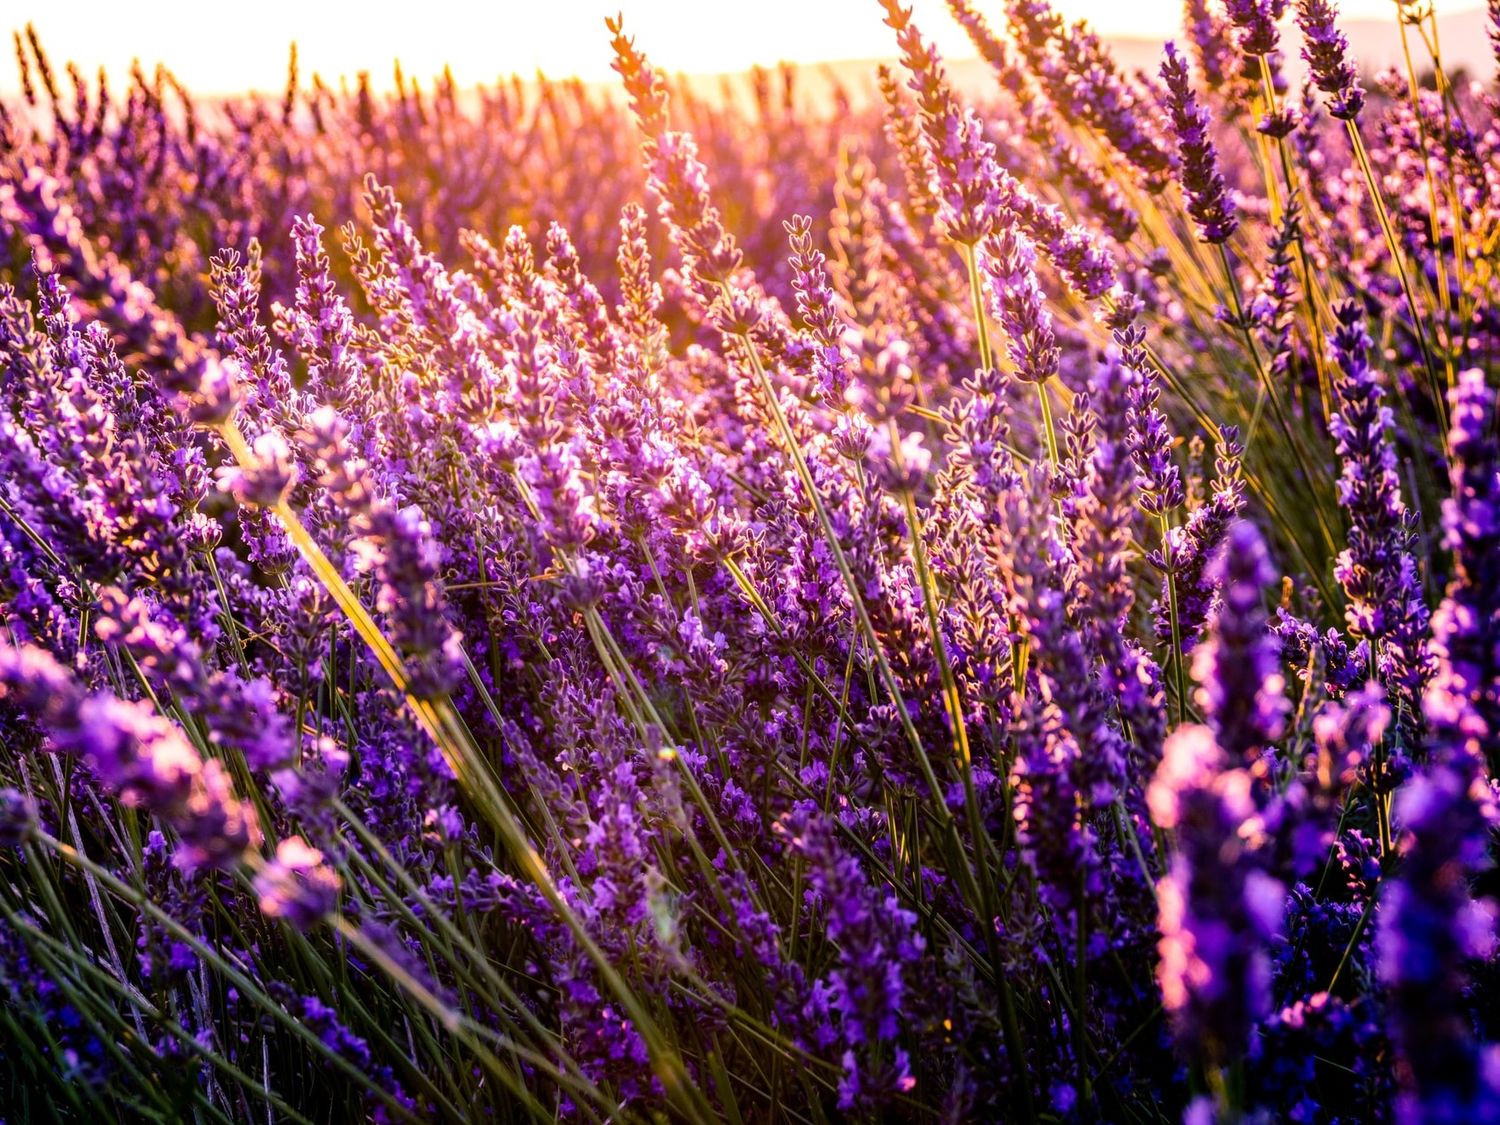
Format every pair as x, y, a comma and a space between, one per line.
248, 988
1312, 471
1179, 678
1398, 261
190, 1043
1048, 425
976, 302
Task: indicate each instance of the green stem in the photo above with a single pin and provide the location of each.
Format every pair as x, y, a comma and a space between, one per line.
976, 300
173, 1028
1377, 200
213, 957
1179, 677
1048, 424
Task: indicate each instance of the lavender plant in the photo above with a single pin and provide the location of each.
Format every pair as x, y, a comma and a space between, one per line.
528, 603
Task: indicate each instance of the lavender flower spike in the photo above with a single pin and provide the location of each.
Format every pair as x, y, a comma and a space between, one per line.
1326, 52
1378, 569
1462, 700
1431, 929
1255, 21
1238, 668
297, 885
1216, 910
17, 817
1207, 199
142, 759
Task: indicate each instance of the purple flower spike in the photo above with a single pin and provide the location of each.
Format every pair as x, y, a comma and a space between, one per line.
1255, 21
17, 818
1431, 931
141, 758
1326, 51
1378, 569
1207, 199
264, 482
1017, 302
1238, 668
1462, 701
297, 885
1217, 911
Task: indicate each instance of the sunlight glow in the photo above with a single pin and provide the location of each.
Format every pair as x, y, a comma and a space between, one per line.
218, 51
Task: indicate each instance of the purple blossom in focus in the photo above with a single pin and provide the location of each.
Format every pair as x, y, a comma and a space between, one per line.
1208, 203
297, 884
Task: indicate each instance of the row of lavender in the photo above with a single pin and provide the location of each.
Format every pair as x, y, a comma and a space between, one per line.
527, 658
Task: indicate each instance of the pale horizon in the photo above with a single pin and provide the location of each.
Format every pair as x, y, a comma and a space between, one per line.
564, 38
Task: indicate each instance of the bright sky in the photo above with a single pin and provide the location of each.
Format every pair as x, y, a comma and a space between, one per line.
217, 47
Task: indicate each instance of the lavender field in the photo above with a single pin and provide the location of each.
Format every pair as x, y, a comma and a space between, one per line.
677, 604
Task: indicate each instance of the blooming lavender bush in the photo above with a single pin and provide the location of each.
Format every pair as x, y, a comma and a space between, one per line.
902, 607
